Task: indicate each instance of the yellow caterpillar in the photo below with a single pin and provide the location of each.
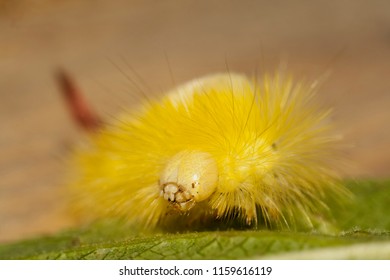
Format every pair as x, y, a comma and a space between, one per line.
218, 149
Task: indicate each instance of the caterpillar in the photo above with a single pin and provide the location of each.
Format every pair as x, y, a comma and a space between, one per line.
219, 150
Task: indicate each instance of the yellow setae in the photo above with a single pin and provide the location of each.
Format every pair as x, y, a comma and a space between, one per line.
219, 148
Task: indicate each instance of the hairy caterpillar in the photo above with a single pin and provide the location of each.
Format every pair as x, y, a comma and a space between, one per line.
217, 149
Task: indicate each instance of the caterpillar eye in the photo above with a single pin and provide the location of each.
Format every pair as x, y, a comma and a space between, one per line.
188, 177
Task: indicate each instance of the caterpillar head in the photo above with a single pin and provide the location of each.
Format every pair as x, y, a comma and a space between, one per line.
188, 177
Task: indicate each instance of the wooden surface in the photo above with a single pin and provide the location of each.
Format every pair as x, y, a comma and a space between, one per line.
107, 44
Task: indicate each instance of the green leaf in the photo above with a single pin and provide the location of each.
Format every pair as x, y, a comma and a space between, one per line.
364, 225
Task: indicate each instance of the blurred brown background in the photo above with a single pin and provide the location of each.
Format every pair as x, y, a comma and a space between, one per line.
98, 40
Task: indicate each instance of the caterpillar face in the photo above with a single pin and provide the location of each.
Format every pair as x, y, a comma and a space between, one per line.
188, 177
